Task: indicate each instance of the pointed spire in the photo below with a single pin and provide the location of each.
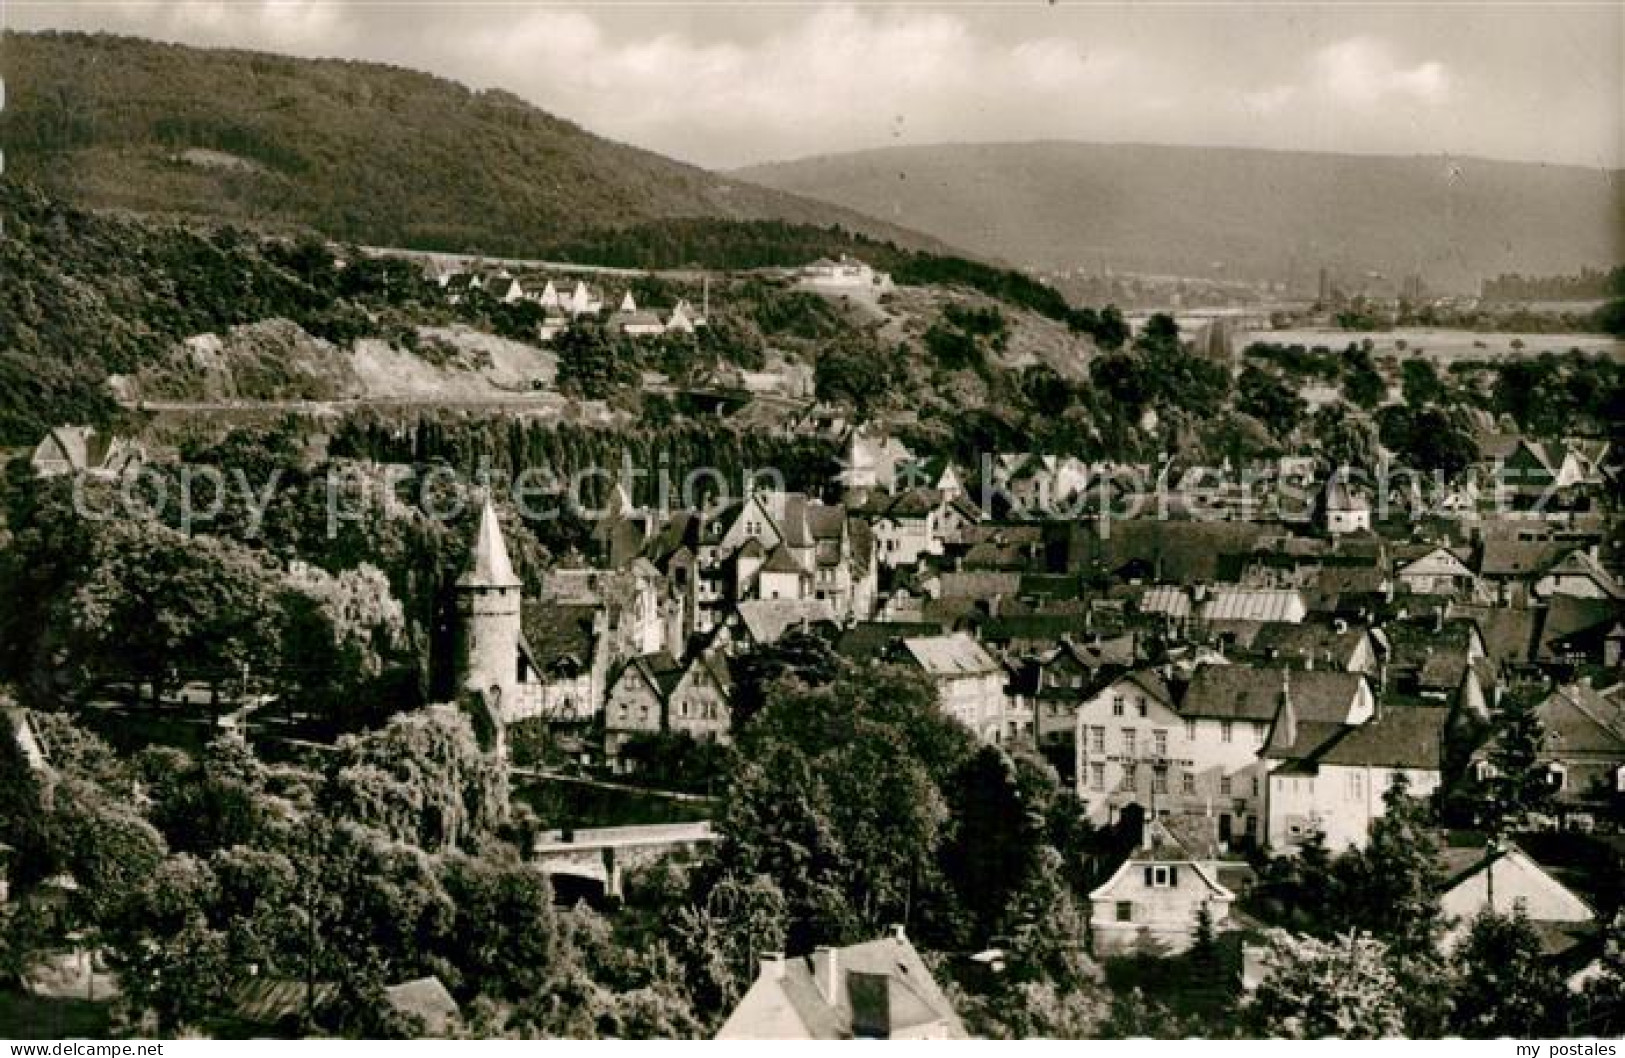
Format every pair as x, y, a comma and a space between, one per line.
488, 564
1286, 717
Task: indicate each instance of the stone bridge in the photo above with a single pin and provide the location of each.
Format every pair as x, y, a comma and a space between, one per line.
602, 854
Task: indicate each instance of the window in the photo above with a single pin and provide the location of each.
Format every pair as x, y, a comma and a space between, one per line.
1125, 911
1077, 681
1226, 729
1117, 705
1224, 785
1159, 780
1159, 743
1131, 776
1258, 731
1097, 775
1255, 786
1357, 785
1190, 731
1131, 739
1557, 775
1097, 740
1187, 784
1161, 877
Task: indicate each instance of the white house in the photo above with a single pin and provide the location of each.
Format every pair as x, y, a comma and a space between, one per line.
1331, 778
1152, 903
970, 684
1438, 571
1503, 880
880, 989
1578, 575
845, 276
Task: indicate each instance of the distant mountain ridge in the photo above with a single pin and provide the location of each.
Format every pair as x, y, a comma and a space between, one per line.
1231, 211
358, 151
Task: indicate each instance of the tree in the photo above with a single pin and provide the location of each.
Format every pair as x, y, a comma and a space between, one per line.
993, 839
1362, 384
1345, 439
1419, 381
1315, 989
1391, 888
1505, 985
156, 602
721, 940
1518, 785
421, 779
1267, 398
593, 364
853, 371
799, 655
1603, 1000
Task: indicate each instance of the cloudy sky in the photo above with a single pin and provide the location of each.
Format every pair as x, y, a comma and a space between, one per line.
725, 84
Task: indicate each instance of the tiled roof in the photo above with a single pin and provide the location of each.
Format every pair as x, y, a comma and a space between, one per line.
1241, 692
881, 988
979, 584
1398, 737
956, 654
424, 998
782, 561
767, 620
557, 632
1507, 558
868, 640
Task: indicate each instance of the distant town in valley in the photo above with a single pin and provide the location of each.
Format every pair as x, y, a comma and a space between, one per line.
471, 579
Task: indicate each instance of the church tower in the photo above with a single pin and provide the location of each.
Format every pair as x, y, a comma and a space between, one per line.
488, 595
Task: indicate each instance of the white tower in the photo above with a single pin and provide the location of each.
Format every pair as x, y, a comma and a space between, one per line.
488, 596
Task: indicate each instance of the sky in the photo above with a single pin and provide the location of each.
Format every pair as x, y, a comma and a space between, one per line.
730, 84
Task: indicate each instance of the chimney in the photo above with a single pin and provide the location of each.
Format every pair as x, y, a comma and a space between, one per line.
773, 965
829, 974
897, 932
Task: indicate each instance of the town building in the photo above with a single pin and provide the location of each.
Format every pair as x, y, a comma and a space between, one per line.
879, 990
970, 684
1152, 903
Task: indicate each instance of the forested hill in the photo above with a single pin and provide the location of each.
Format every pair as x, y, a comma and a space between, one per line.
359, 152
1203, 211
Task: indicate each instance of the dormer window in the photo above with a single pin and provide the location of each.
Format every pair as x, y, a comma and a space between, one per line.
1161, 876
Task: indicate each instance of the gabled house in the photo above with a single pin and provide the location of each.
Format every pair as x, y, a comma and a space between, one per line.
1232, 714
872, 465
970, 684
1321, 644
636, 702
1437, 570
1502, 880
1058, 680
562, 662
85, 450
1579, 575
1341, 509
1331, 777
880, 990
1137, 756
1584, 747
1152, 903
1580, 631
656, 694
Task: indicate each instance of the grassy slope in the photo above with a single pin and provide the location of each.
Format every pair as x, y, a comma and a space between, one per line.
358, 151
